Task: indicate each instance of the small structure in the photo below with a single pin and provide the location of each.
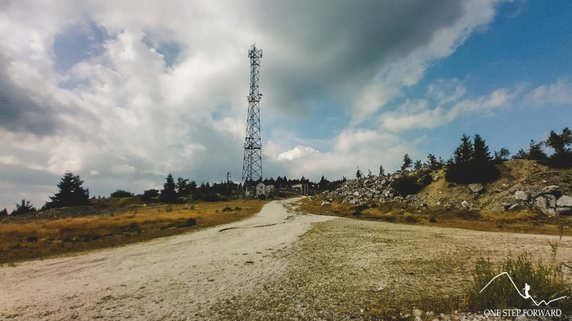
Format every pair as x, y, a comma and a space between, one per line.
302, 188
265, 190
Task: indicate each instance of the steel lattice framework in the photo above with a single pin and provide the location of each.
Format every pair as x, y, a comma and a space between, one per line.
252, 162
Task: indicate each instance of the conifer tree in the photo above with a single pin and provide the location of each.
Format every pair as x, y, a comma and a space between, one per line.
71, 193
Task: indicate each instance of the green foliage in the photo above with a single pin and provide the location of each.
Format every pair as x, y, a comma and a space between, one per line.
381, 171
432, 162
150, 196
535, 151
169, 193
121, 194
71, 193
472, 163
3, 212
359, 174
546, 282
502, 155
23, 208
406, 162
411, 183
406, 185
562, 156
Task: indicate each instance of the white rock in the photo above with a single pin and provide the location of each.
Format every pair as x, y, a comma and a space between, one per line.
551, 189
564, 201
521, 196
325, 203
476, 188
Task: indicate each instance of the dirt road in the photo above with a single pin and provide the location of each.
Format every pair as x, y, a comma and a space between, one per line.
277, 265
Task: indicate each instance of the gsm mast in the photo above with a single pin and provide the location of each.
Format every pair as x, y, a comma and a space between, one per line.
252, 162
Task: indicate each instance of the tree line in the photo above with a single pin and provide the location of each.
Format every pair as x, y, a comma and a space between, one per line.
471, 162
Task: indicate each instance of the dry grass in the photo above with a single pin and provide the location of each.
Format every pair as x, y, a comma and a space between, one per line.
519, 222
45, 238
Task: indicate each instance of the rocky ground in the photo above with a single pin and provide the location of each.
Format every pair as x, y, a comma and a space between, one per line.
524, 185
278, 265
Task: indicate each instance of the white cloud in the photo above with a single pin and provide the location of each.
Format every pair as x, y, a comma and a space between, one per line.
296, 152
558, 93
418, 114
127, 114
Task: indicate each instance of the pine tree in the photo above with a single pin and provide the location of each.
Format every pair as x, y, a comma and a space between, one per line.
464, 151
535, 151
169, 193
481, 152
406, 162
381, 171
23, 208
4, 212
71, 193
433, 163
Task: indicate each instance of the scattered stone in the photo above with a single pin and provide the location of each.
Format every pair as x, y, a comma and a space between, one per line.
515, 207
564, 201
506, 205
476, 188
521, 196
551, 189
325, 203
465, 204
541, 203
563, 210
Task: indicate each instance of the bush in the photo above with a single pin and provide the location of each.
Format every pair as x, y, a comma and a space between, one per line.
406, 185
121, 194
546, 282
472, 172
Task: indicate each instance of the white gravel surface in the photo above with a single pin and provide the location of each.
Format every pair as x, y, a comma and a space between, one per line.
277, 265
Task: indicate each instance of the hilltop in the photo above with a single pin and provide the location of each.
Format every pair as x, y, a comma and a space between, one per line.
526, 192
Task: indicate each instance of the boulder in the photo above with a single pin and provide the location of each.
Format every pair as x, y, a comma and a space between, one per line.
476, 188
356, 194
550, 200
465, 204
551, 189
541, 203
515, 207
563, 210
550, 212
521, 196
564, 201
326, 203
506, 205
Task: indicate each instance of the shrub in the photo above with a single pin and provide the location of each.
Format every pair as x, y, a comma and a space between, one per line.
121, 194
546, 282
472, 172
406, 185
227, 209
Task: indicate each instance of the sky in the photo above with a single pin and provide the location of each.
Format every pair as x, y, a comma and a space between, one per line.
124, 92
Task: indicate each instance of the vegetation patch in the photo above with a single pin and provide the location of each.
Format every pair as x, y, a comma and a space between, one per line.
545, 280
33, 237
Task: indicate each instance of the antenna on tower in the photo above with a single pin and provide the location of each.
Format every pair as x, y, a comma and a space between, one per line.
252, 162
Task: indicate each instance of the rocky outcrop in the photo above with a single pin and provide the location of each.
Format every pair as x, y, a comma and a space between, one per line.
547, 199
379, 189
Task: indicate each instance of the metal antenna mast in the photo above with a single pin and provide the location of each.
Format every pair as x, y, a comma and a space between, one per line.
252, 162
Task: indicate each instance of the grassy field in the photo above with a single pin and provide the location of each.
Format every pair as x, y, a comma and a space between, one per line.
41, 238
519, 222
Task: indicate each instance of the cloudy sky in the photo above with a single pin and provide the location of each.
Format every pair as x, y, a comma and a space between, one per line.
124, 92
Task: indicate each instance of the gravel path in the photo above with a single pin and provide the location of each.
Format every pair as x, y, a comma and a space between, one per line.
277, 265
